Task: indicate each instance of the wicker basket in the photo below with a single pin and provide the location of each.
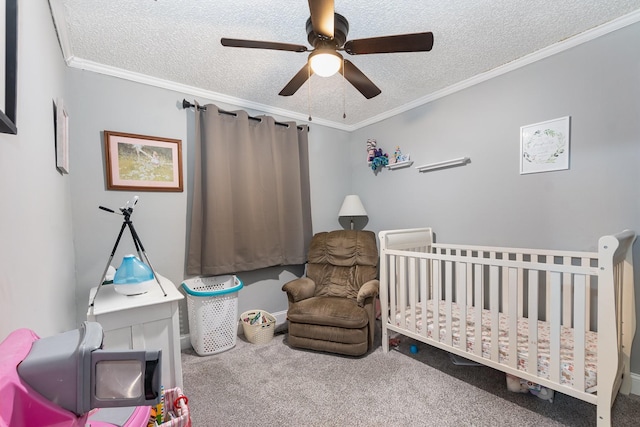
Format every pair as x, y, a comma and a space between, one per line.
260, 332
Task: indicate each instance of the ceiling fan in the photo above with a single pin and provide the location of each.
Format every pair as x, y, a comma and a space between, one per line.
327, 33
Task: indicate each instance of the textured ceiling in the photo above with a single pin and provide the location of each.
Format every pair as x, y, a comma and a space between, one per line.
178, 41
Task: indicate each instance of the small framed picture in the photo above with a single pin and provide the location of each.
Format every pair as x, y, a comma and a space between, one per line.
544, 146
142, 163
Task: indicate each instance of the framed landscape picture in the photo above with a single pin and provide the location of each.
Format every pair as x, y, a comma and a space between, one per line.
142, 163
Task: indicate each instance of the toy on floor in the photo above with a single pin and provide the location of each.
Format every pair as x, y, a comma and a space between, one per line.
394, 341
518, 385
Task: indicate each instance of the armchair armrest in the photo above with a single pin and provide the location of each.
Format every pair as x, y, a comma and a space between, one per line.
368, 290
299, 289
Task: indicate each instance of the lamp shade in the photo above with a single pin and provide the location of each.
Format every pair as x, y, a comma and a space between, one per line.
352, 206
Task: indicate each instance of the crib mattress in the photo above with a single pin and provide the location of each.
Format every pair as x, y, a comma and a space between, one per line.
566, 341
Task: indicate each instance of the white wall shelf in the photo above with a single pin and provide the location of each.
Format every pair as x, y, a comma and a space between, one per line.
399, 165
445, 164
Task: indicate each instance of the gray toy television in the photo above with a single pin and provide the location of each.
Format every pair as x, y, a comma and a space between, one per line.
73, 371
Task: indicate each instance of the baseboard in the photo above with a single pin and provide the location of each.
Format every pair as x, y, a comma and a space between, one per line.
281, 322
635, 384
281, 318
185, 342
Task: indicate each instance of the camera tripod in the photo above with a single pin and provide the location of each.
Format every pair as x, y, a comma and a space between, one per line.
126, 211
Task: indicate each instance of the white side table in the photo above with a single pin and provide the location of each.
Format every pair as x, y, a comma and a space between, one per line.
147, 321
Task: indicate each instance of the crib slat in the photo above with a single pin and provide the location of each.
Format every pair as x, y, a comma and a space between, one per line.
554, 332
465, 280
470, 286
402, 292
393, 285
424, 294
587, 302
514, 296
532, 361
412, 293
504, 294
494, 301
579, 329
448, 295
435, 287
478, 285
547, 297
520, 286
567, 294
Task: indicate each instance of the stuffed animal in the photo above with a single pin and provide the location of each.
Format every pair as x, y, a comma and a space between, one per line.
375, 157
379, 159
518, 385
515, 385
371, 149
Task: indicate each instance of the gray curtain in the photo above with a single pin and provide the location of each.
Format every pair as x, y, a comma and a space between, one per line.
251, 205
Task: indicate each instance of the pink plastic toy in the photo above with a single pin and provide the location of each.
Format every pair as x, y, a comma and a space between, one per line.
22, 406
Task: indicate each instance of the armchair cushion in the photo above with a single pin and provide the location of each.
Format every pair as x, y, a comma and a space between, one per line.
368, 290
329, 311
339, 262
299, 289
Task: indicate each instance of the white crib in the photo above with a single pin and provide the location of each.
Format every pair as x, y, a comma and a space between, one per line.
568, 311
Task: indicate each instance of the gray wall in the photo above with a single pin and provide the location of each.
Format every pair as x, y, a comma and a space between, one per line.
488, 202
37, 277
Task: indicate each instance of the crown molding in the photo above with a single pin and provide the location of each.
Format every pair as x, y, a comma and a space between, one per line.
195, 91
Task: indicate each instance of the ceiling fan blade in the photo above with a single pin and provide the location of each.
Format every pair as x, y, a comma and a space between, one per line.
361, 82
417, 42
297, 81
255, 44
322, 17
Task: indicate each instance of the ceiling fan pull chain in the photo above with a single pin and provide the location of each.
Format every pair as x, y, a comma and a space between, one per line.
344, 93
309, 90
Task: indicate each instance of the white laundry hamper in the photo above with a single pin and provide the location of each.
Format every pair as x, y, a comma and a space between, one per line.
212, 303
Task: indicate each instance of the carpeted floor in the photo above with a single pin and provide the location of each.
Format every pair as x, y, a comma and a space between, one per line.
275, 385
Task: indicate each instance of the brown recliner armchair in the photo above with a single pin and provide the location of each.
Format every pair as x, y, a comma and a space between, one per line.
333, 308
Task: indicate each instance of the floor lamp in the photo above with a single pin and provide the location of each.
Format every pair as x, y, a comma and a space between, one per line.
352, 207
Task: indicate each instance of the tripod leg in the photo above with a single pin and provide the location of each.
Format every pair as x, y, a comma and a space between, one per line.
106, 268
154, 272
138, 242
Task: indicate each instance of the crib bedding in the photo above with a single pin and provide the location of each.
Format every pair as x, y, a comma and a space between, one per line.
566, 338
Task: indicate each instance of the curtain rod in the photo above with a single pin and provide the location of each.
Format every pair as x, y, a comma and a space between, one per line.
186, 104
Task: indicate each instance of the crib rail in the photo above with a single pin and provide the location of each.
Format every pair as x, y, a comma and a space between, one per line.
467, 286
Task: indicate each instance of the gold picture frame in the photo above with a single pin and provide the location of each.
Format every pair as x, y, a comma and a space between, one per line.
142, 163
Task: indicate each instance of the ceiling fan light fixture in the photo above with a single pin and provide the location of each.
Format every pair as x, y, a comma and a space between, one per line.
325, 62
